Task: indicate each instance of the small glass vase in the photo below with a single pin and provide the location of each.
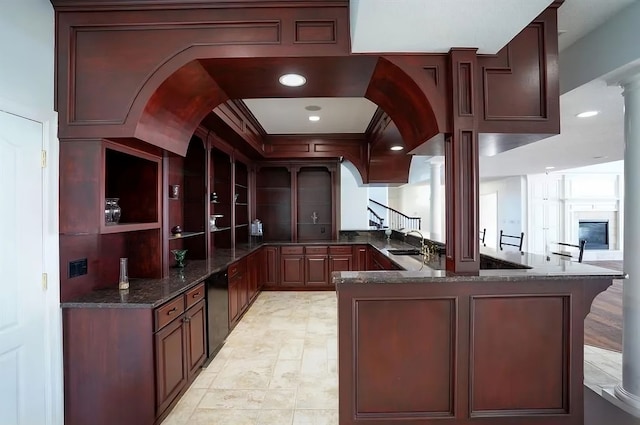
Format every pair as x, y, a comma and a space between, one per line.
179, 255
124, 274
112, 211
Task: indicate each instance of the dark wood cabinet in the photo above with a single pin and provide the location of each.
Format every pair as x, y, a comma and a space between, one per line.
195, 320
340, 259
271, 265
317, 270
171, 363
292, 266
377, 261
254, 274
180, 345
237, 291
360, 257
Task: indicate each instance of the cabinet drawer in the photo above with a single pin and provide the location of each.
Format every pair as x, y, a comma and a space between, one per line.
292, 250
235, 268
316, 250
344, 250
194, 295
168, 312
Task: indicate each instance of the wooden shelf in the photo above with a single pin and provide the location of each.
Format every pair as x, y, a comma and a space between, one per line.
241, 203
220, 229
184, 235
241, 225
127, 227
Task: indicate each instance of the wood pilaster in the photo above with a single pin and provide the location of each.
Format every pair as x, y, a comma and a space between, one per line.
461, 166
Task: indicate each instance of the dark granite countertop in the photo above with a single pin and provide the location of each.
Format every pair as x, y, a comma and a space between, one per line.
150, 293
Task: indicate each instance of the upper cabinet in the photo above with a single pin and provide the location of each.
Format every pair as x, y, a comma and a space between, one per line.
315, 204
297, 201
273, 202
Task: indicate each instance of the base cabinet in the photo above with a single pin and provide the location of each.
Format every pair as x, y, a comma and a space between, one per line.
180, 345
129, 365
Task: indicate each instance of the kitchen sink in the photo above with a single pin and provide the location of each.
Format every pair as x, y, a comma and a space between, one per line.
404, 251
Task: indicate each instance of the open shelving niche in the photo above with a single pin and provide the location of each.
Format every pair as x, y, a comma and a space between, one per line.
134, 177
188, 210
241, 204
273, 202
220, 184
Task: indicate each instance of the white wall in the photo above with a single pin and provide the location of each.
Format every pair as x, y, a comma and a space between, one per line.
354, 198
26, 89
512, 211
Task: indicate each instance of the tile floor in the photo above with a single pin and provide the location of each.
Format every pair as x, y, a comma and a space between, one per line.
279, 367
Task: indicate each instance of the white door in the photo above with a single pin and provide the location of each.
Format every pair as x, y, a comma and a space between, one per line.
22, 299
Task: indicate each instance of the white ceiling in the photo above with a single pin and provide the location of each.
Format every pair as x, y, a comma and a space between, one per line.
436, 26
580, 143
289, 116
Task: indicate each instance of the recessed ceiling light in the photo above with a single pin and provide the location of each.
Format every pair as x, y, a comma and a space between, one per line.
396, 148
587, 114
312, 108
549, 168
292, 80
314, 118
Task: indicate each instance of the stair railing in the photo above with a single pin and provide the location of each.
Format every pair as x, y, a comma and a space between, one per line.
398, 220
375, 220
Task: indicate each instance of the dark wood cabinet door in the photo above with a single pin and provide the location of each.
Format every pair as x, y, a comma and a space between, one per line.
292, 270
196, 348
340, 263
171, 371
243, 292
360, 257
317, 270
254, 266
271, 265
234, 296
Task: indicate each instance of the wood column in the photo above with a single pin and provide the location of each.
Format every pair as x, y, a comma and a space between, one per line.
461, 166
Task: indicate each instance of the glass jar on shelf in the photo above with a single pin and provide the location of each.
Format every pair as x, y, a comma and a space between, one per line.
112, 211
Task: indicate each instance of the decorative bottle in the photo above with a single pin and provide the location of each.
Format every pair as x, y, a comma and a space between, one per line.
124, 275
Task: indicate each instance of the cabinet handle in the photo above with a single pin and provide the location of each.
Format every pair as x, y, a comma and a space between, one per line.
197, 294
170, 312
186, 320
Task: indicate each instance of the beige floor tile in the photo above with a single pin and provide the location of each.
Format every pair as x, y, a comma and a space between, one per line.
224, 417
318, 396
204, 380
286, 374
275, 417
232, 399
185, 407
315, 417
279, 399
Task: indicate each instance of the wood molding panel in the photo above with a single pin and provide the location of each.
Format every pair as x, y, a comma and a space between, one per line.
109, 63
422, 384
500, 385
461, 167
520, 87
499, 352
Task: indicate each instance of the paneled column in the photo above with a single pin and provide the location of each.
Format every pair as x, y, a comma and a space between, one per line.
629, 391
435, 203
461, 166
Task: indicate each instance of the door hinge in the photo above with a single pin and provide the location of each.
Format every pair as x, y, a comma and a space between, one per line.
43, 159
44, 282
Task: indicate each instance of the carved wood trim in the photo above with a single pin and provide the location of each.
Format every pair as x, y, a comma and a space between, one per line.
507, 69
316, 32
109, 5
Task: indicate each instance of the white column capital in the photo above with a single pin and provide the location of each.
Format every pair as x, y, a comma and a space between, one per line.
627, 77
436, 161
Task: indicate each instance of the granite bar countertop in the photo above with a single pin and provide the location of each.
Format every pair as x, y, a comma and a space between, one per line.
150, 293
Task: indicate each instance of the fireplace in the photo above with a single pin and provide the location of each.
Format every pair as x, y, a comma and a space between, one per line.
595, 232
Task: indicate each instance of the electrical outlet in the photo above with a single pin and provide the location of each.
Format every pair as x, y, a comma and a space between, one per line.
77, 268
